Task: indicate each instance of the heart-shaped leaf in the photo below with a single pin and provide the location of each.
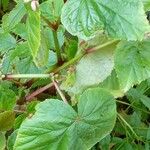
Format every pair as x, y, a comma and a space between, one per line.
57, 125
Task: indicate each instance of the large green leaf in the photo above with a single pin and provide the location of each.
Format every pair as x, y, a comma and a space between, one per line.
56, 125
132, 63
14, 17
123, 19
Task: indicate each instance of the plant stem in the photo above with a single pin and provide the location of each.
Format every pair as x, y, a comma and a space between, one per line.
59, 91
38, 91
26, 76
57, 47
102, 46
67, 64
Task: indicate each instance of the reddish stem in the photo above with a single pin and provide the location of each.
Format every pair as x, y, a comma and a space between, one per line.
38, 91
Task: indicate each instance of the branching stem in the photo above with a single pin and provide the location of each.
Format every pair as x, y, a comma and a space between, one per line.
65, 65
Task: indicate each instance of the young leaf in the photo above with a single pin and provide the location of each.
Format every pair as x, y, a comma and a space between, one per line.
14, 17
51, 10
43, 52
71, 48
123, 19
132, 63
56, 125
33, 30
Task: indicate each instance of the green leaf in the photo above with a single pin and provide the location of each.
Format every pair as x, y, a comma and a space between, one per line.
56, 125
146, 4
49, 35
7, 42
51, 10
105, 143
20, 29
7, 98
139, 96
71, 49
31, 107
148, 133
147, 146
14, 17
123, 19
11, 140
132, 63
19, 57
19, 119
94, 68
33, 30
43, 52
7, 119
28, 66
5, 4
111, 83
2, 141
